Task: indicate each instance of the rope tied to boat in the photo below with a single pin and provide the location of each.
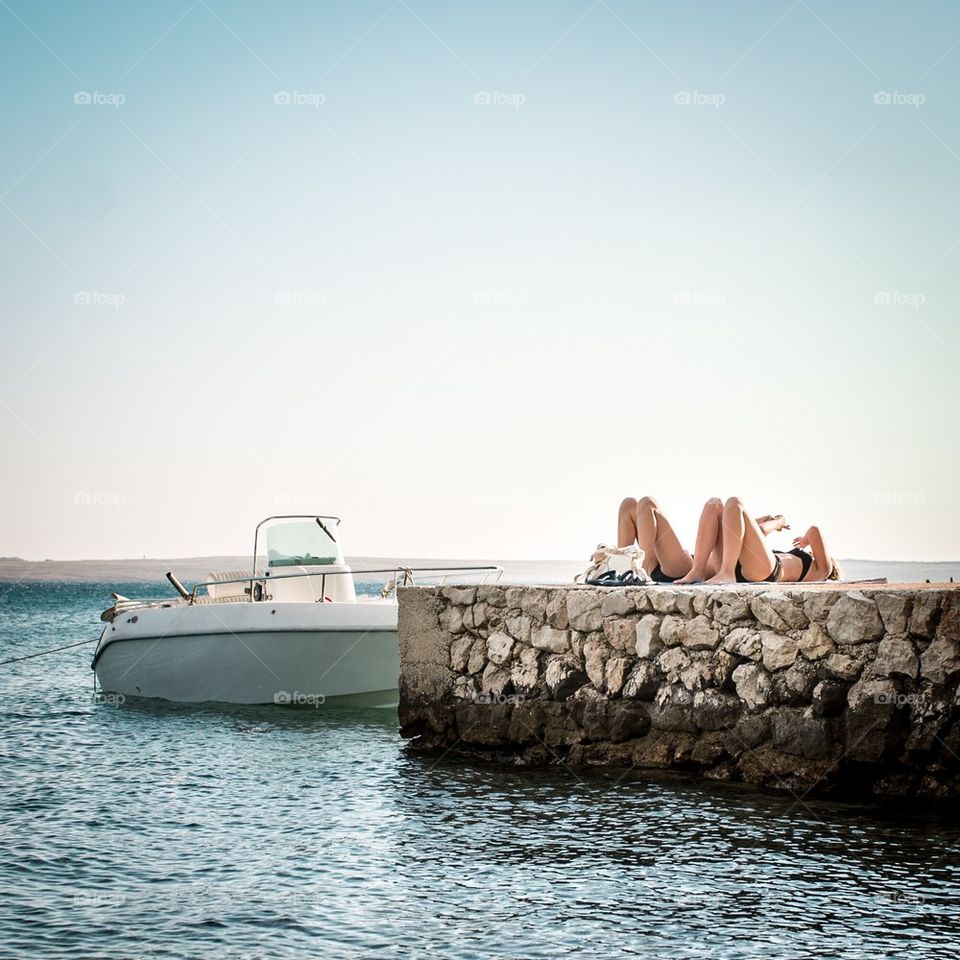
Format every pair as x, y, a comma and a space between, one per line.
43, 653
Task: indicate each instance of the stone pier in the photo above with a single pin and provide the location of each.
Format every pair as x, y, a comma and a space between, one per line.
818, 689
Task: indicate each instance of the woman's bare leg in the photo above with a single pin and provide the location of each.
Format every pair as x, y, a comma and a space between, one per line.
659, 542
743, 541
709, 545
627, 523
716, 557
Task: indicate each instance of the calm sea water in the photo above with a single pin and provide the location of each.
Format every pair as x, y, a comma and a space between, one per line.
146, 830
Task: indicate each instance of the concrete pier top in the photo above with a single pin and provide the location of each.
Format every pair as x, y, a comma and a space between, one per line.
820, 688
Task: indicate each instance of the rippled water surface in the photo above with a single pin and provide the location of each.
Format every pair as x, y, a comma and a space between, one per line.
145, 830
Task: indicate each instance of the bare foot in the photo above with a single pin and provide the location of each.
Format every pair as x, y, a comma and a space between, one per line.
722, 577
694, 576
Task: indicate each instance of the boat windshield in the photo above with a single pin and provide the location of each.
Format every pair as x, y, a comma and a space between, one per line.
300, 543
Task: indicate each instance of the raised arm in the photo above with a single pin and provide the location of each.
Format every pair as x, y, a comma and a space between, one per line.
772, 524
822, 561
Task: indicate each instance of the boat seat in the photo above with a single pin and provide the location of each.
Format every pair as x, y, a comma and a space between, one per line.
220, 591
228, 575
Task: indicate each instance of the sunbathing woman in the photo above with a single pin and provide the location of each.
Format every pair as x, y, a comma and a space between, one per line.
642, 522
745, 556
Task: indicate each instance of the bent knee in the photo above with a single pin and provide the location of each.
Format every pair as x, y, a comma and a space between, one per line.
628, 505
714, 503
734, 502
647, 503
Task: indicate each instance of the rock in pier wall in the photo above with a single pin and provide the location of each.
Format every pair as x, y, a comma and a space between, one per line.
811, 689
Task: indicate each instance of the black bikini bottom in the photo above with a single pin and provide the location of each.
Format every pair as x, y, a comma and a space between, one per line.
773, 578
658, 576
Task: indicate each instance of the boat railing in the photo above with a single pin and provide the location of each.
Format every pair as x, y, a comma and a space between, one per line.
401, 576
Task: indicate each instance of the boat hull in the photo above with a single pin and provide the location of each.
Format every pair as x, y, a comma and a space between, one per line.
307, 655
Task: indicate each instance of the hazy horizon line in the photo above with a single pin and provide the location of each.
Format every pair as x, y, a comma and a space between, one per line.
215, 556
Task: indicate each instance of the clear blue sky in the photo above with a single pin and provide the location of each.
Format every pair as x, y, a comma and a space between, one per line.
493, 267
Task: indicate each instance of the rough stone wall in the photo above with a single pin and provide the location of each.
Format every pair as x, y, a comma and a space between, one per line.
812, 689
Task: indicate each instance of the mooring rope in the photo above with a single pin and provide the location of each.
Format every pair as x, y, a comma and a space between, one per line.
43, 653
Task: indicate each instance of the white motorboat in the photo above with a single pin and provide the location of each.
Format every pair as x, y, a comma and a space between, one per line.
290, 631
